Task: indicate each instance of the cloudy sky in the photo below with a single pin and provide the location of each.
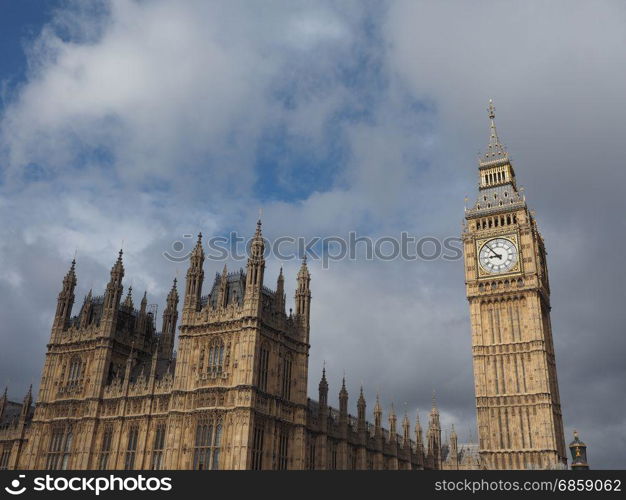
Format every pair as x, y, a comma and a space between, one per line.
142, 122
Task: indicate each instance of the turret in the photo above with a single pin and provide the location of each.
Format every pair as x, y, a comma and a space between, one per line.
142, 317
28, 401
86, 311
434, 436
113, 295
303, 300
406, 431
393, 428
222, 295
323, 390
578, 449
279, 298
323, 400
419, 438
128, 301
65, 300
170, 317
378, 417
195, 277
343, 403
454, 447
361, 406
255, 270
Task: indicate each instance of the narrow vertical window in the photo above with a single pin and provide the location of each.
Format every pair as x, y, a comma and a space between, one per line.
257, 447
4, 458
217, 444
157, 449
67, 448
283, 449
263, 366
286, 392
131, 448
312, 453
105, 449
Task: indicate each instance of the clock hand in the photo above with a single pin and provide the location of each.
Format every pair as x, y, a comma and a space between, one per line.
494, 253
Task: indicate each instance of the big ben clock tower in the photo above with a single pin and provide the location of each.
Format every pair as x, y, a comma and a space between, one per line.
506, 276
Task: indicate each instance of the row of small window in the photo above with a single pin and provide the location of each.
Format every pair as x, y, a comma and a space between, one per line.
494, 178
489, 222
206, 450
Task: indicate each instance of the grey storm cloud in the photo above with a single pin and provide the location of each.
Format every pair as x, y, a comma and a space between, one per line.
199, 80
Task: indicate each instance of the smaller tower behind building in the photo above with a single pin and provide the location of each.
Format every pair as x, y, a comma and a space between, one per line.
578, 449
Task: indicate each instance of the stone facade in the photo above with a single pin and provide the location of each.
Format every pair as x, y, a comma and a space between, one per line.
115, 395
506, 276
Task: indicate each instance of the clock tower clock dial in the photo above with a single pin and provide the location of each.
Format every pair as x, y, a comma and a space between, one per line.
498, 256
517, 396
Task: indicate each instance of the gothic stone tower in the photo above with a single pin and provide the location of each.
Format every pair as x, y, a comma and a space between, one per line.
242, 369
506, 276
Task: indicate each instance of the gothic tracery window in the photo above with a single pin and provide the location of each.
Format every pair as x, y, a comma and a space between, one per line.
207, 445
76, 371
59, 448
216, 358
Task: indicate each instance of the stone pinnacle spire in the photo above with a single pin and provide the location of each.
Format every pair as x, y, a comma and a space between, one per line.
495, 149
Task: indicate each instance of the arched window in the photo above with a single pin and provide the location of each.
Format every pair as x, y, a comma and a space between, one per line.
216, 358
207, 445
76, 371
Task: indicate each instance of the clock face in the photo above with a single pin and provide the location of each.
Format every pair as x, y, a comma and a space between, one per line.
498, 255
